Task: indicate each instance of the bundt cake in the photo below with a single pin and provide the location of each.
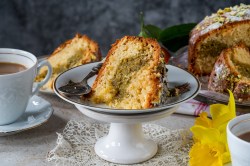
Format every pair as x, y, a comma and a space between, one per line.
221, 30
132, 76
232, 71
77, 51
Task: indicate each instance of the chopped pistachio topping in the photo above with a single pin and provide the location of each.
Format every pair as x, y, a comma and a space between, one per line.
229, 14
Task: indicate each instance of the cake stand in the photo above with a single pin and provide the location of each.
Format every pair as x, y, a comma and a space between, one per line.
125, 142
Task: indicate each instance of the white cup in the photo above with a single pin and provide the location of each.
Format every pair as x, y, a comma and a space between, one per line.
17, 88
239, 149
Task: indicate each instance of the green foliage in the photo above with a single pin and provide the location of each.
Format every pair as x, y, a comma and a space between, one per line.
173, 37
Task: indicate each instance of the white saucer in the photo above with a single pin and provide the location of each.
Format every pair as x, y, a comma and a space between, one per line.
38, 112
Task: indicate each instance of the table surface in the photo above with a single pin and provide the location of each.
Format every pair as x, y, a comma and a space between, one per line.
30, 147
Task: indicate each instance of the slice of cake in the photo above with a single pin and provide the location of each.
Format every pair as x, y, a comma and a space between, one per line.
232, 71
132, 76
242, 90
77, 51
219, 31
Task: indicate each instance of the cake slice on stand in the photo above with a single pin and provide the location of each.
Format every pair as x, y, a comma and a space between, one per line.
132, 76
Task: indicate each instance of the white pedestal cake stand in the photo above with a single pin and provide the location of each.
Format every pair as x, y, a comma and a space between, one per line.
125, 142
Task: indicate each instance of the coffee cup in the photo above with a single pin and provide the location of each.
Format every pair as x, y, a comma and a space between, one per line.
238, 137
17, 88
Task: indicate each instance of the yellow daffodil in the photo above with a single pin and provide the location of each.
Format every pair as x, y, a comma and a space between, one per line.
210, 143
206, 155
211, 138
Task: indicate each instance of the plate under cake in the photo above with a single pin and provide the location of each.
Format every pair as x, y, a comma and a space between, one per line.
176, 76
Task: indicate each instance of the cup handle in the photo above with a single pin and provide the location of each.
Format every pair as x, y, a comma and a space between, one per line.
47, 77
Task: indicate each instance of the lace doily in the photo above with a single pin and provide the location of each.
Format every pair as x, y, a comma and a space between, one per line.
75, 146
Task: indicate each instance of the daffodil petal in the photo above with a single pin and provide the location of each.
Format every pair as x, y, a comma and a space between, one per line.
226, 157
226, 112
203, 154
217, 110
231, 104
203, 120
205, 135
222, 128
221, 120
223, 113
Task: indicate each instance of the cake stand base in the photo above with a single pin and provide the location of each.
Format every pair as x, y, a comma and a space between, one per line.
125, 144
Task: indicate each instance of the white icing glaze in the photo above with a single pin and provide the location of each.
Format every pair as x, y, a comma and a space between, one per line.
235, 18
232, 14
218, 68
247, 13
211, 27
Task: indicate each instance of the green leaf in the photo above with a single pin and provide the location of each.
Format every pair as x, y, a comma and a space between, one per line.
172, 38
148, 30
152, 31
176, 36
176, 31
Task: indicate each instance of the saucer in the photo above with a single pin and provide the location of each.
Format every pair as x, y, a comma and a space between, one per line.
37, 112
